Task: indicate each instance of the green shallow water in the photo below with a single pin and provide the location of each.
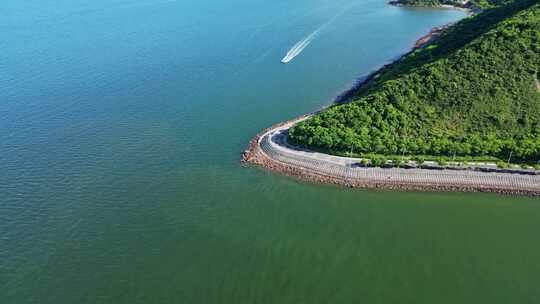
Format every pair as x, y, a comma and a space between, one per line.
121, 127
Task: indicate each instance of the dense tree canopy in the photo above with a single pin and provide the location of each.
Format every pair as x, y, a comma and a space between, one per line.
475, 3
473, 92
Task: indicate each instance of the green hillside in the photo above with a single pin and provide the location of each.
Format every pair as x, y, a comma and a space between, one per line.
470, 3
473, 92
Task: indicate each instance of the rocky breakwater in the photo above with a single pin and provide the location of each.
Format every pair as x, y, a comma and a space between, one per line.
269, 150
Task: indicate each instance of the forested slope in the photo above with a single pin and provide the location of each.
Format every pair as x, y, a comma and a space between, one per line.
470, 3
472, 93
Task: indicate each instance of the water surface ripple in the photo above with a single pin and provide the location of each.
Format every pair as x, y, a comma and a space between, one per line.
121, 127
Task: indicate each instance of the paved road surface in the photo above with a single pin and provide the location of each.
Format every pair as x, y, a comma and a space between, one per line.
274, 144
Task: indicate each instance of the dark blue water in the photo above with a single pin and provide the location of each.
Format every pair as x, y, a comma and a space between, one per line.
121, 127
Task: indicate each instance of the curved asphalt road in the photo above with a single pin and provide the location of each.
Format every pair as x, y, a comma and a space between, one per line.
274, 145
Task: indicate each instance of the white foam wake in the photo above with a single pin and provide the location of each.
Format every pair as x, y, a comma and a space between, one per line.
299, 47
302, 44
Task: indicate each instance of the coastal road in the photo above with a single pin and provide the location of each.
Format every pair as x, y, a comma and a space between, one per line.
273, 144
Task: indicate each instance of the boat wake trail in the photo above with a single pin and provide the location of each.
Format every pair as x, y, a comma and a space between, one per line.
299, 47
302, 44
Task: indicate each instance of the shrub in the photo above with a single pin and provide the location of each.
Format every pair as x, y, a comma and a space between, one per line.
378, 161
502, 165
442, 162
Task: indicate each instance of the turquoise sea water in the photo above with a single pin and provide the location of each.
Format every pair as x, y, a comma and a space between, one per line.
121, 126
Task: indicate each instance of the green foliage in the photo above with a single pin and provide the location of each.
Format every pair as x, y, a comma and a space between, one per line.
442, 162
476, 3
378, 161
472, 95
364, 162
397, 162
502, 165
419, 160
